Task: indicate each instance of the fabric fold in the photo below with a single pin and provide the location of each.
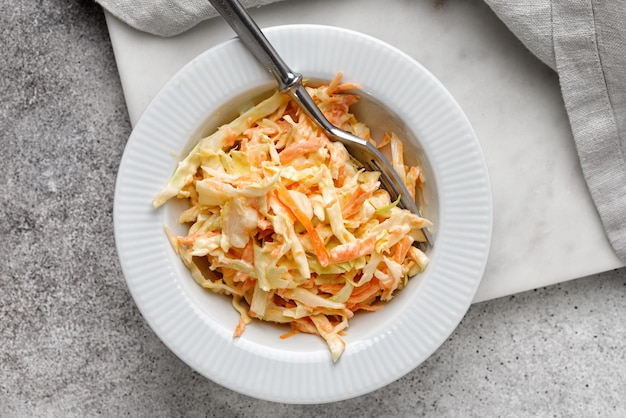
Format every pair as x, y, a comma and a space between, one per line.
589, 44
166, 17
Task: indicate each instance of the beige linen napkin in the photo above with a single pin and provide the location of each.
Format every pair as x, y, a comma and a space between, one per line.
584, 41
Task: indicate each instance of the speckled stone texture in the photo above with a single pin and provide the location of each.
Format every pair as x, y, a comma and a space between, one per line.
72, 342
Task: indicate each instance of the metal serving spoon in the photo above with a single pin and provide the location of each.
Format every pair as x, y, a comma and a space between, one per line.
290, 82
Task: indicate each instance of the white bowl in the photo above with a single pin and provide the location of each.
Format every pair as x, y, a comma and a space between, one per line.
381, 347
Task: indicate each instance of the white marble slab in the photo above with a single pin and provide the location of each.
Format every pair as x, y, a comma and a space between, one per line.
546, 229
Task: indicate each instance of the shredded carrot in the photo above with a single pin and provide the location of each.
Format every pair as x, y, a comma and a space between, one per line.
402, 249
241, 325
336, 86
247, 285
300, 148
355, 202
352, 250
334, 83
283, 195
362, 293
331, 289
304, 325
290, 334
310, 284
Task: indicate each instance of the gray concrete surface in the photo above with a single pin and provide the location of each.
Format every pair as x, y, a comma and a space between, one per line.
72, 342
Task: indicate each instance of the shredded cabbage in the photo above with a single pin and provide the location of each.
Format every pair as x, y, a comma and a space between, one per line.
289, 225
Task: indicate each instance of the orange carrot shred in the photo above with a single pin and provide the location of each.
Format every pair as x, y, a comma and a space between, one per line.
289, 334
320, 250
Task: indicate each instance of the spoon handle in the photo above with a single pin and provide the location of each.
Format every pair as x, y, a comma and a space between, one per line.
255, 41
249, 33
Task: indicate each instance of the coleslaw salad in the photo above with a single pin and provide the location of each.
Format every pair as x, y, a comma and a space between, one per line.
285, 222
